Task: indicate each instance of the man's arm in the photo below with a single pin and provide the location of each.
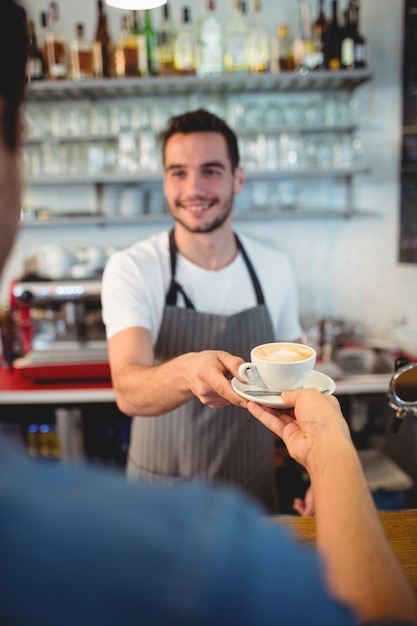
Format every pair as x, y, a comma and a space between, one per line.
142, 388
361, 568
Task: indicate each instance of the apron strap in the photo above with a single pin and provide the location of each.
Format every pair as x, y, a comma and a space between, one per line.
175, 288
256, 284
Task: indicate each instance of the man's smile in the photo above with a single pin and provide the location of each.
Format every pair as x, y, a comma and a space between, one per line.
196, 207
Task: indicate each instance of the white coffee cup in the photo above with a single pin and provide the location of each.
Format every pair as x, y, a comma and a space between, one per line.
279, 365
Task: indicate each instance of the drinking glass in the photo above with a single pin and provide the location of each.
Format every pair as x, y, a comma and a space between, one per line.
37, 121
288, 194
290, 151
103, 122
128, 155
293, 113
273, 115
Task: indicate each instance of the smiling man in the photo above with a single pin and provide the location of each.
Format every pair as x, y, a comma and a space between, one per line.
179, 306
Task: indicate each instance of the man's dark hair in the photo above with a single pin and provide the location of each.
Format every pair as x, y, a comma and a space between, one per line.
14, 46
202, 121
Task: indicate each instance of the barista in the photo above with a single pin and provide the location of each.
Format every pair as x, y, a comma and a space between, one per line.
179, 305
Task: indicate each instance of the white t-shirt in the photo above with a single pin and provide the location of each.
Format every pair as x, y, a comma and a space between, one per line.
135, 282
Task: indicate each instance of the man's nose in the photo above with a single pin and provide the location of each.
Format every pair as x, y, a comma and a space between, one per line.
194, 183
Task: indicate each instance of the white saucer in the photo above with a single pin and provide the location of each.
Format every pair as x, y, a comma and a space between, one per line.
320, 381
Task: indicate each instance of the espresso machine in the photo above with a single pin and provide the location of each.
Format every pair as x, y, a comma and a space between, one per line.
55, 330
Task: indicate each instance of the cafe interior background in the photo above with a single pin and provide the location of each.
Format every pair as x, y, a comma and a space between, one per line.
345, 268
359, 268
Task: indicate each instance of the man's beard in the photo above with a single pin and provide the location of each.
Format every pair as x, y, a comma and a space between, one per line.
215, 224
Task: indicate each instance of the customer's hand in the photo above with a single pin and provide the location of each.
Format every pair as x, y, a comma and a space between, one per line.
313, 420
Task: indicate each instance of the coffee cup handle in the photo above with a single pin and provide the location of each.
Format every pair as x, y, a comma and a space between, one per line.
248, 372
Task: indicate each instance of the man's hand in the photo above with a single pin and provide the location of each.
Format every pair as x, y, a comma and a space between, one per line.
305, 506
208, 375
137, 382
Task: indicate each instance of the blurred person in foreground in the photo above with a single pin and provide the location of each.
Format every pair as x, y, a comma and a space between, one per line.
83, 546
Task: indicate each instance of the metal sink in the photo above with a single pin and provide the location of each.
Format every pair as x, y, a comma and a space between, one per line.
357, 361
359, 369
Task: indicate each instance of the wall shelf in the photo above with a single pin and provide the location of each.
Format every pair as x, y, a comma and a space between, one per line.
147, 178
48, 158
164, 218
179, 85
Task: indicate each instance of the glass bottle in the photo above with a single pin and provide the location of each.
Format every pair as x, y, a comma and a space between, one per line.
55, 45
36, 64
303, 40
236, 40
166, 43
42, 43
321, 23
282, 56
118, 49
332, 41
137, 46
210, 46
81, 56
258, 42
151, 44
186, 46
347, 59
360, 45
320, 26
102, 65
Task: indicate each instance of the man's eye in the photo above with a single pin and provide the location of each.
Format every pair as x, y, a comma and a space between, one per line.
211, 172
178, 174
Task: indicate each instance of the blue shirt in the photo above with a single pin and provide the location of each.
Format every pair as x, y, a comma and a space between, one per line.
82, 546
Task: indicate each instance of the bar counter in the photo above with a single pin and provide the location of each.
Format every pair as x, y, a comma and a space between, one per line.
400, 528
18, 389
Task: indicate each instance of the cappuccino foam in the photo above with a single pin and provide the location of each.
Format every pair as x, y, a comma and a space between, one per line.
283, 352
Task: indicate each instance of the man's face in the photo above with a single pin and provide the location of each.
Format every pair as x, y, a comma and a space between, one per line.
199, 184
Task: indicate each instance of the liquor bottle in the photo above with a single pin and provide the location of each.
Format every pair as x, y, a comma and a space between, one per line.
320, 26
282, 54
151, 44
258, 42
210, 46
185, 58
347, 59
81, 56
303, 40
138, 47
236, 40
118, 49
42, 43
129, 48
55, 45
102, 65
360, 45
36, 64
166, 43
332, 41
321, 23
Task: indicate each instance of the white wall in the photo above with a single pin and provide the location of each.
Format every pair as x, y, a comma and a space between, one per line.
345, 268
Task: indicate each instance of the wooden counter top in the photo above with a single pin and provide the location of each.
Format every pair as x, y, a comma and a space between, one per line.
400, 528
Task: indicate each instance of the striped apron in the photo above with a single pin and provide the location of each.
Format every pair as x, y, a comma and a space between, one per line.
195, 441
